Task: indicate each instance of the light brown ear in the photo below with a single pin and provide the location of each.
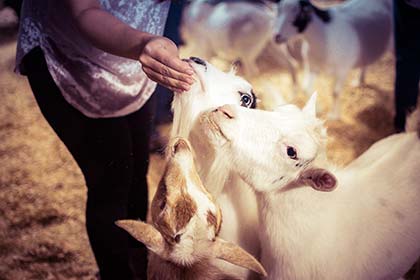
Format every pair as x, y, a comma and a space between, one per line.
145, 233
318, 178
234, 254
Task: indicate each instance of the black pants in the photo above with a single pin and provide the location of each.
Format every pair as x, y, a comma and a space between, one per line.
407, 52
112, 154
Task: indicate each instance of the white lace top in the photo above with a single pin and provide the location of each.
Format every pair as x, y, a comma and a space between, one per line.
96, 83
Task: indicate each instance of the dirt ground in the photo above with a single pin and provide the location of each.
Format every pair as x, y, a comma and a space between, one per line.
42, 192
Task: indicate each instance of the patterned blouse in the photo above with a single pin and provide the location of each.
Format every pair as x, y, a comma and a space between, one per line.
96, 83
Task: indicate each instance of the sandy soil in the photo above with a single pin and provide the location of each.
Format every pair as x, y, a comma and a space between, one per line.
42, 192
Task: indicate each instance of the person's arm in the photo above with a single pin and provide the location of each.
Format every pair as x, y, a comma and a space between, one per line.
158, 55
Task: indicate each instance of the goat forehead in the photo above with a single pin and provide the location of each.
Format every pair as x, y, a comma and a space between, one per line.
291, 124
202, 198
174, 179
228, 83
230, 78
185, 208
187, 194
290, 117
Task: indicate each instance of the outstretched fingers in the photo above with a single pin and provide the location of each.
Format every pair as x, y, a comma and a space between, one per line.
173, 84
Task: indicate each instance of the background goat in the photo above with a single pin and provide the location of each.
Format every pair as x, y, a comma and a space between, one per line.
186, 222
234, 31
350, 35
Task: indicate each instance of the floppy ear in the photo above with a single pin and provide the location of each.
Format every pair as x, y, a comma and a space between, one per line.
145, 233
318, 178
310, 106
234, 254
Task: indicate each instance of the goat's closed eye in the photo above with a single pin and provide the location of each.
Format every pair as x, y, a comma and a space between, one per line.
291, 152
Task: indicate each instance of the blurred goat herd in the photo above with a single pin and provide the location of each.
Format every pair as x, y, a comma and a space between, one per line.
248, 193
296, 33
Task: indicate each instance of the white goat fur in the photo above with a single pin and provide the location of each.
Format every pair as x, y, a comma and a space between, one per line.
357, 35
238, 203
367, 228
234, 31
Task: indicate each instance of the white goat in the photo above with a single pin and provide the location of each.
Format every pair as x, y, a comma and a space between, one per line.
234, 31
238, 203
186, 222
346, 36
367, 228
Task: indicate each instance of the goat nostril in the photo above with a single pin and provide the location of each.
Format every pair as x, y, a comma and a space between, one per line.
227, 111
227, 115
198, 60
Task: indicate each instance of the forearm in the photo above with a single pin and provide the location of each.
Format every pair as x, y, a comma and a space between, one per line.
110, 35
158, 55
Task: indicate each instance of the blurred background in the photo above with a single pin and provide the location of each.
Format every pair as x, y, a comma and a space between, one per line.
42, 192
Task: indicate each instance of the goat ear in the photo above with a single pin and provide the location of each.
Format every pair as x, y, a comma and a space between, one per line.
310, 106
234, 254
145, 233
319, 179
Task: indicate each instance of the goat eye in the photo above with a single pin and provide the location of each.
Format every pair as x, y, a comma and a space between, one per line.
246, 99
291, 152
177, 238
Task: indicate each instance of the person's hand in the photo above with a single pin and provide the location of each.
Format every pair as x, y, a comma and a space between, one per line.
160, 62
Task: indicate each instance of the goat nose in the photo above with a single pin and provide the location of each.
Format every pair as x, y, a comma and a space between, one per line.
227, 110
198, 60
180, 144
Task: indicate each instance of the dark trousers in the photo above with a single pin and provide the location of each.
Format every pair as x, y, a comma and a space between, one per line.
112, 154
407, 52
